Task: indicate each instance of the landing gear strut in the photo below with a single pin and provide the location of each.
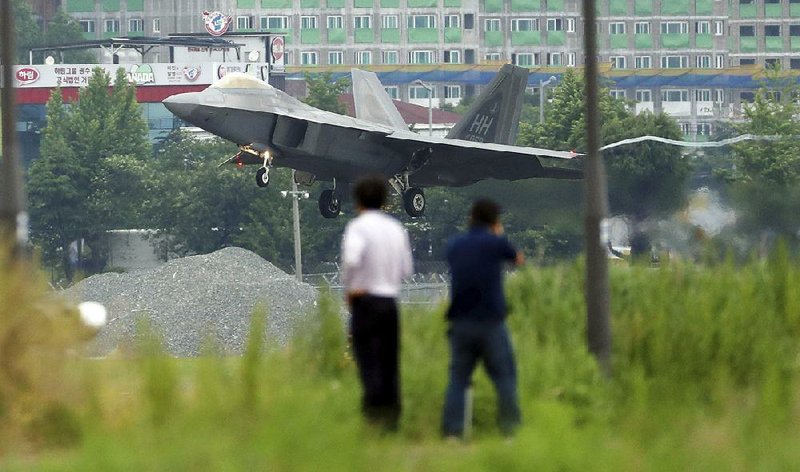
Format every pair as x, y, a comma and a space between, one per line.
330, 203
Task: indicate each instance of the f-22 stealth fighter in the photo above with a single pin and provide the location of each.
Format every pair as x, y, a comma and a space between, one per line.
272, 128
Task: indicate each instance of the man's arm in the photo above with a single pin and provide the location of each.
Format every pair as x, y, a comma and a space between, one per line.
353, 245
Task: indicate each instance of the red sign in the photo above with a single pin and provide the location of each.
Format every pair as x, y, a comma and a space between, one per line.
27, 75
277, 48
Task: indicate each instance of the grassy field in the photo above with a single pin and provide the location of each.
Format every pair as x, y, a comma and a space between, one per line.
705, 377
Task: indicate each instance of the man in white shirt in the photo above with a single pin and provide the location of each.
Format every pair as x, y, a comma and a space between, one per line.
376, 256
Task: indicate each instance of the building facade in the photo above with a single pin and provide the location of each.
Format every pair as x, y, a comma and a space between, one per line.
695, 59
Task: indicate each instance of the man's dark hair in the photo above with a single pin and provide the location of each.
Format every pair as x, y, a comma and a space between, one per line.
370, 192
484, 212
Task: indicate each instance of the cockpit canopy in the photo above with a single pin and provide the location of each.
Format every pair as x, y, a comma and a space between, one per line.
240, 80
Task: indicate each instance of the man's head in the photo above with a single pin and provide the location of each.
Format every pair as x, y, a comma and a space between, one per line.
370, 192
485, 214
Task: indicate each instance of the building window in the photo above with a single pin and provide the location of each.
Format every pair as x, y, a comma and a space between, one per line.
686, 128
390, 57
421, 57
618, 62
422, 21
308, 22
87, 26
451, 57
393, 91
156, 25
720, 61
570, 59
308, 58
390, 22
135, 25
416, 92
554, 59
570, 25
675, 95
244, 22
703, 61
335, 22
644, 95
702, 95
524, 24
642, 62
674, 62
794, 64
492, 57
702, 27
704, 129
772, 63
747, 30
335, 57
617, 27
525, 59
362, 22
452, 21
555, 24
111, 26
747, 61
274, 22
363, 57
772, 30
675, 27
642, 27
452, 91
747, 97
491, 24
718, 28
617, 94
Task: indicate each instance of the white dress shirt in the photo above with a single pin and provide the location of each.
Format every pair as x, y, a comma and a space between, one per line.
376, 254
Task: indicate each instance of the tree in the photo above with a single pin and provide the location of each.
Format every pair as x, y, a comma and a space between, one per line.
645, 179
766, 176
324, 92
93, 164
61, 29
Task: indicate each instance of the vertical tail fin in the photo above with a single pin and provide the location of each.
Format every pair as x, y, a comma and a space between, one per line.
494, 117
371, 101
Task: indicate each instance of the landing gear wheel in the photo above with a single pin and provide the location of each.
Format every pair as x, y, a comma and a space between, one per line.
329, 204
262, 177
414, 201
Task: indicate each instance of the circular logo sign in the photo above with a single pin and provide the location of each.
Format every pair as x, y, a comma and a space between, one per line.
27, 75
277, 47
191, 73
216, 22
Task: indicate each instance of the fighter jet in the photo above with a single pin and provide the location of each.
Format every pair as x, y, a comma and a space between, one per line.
273, 129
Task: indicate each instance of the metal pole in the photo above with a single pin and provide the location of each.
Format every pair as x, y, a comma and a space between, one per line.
598, 331
541, 101
13, 224
430, 111
298, 260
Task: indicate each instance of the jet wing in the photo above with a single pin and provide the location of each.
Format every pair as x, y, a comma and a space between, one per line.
459, 162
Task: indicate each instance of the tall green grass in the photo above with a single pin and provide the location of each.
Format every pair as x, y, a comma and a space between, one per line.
705, 377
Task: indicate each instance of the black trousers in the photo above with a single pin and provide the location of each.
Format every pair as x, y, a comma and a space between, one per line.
375, 335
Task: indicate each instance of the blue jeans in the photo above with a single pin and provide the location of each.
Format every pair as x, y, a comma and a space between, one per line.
471, 341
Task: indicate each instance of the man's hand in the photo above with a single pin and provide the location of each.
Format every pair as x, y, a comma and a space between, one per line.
519, 259
349, 296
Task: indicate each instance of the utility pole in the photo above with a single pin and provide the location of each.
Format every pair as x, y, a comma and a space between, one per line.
598, 330
13, 220
296, 196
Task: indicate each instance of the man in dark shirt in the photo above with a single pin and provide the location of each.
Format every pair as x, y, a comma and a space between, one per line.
477, 317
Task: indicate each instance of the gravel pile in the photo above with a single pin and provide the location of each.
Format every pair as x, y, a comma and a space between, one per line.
196, 298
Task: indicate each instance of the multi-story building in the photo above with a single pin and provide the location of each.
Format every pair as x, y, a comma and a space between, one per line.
679, 56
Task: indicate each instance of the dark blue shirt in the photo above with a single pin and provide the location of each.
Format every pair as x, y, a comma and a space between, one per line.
476, 269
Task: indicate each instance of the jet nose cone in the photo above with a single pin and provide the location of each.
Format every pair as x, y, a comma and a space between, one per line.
181, 105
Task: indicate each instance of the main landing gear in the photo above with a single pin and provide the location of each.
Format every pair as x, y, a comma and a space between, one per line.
330, 203
413, 197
